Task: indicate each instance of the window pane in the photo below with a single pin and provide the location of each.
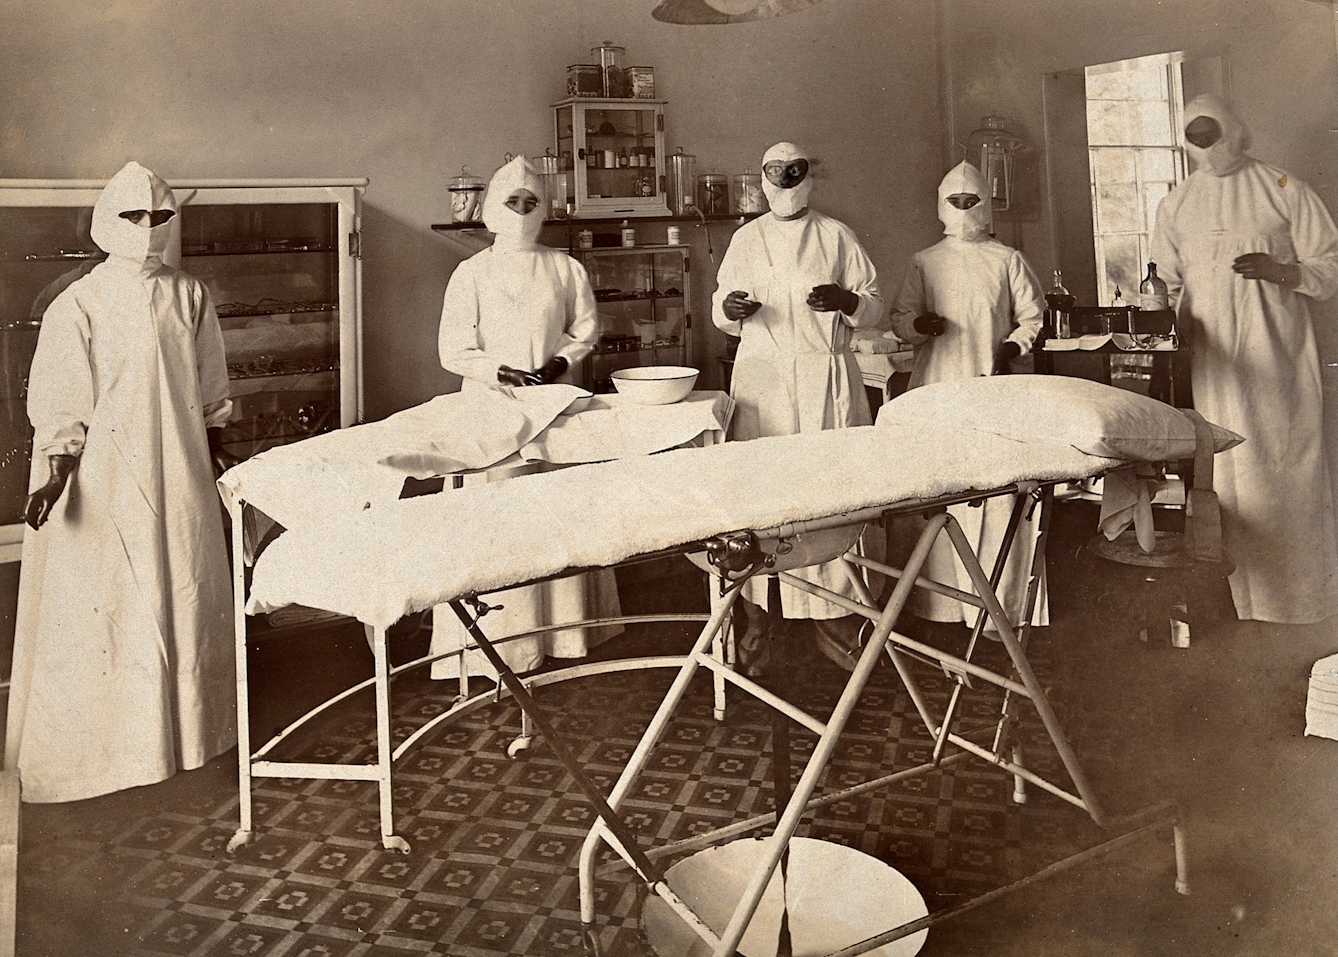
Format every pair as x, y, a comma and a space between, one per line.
1107, 123
1104, 86
1152, 123
1113, 165
1122, 266
1149, 83
1158, 166
1118, 209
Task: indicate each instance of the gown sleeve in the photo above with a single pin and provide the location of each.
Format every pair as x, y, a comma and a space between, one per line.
860, 277
211, 362
1316, 242
1028, 302
60, 381
582, 329
729, 277
909, 304
457, 337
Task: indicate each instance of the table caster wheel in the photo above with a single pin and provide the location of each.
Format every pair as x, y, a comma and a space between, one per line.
395, 843
520, 744
238, 839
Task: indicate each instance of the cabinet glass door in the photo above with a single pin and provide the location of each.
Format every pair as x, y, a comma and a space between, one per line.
641, 295
614, 148
42, 250
273, 273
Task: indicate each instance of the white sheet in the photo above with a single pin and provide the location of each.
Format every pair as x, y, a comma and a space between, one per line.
611, 427
414, 553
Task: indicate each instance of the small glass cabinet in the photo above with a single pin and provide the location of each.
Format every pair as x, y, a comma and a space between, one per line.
282, 260
613, 154
642, 295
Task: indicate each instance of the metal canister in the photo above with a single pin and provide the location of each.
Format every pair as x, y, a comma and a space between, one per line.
713, 193
672, 236
643, 81
585, 79
681, 182
585, 239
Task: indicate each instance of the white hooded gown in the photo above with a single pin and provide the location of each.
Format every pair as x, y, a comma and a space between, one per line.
123, 651
987, 293
1255, 368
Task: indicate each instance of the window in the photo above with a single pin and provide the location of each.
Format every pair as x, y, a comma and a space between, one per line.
1134, 118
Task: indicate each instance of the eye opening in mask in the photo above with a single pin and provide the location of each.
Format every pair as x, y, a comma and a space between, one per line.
786, 175
1203, 131
522, 201
143, 217
963, 200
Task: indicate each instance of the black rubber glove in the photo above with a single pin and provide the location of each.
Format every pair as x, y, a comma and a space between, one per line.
930, 324
1004, 355
517, 377
831, 298
550, 370
738, 307
221, 457
39, 505
1265, 267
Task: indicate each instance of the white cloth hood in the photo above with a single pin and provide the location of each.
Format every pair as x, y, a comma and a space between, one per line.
134, 187
786, 202
1226, 155
964, 223
512, 229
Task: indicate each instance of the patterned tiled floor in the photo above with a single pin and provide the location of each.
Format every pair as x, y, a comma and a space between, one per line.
495, 840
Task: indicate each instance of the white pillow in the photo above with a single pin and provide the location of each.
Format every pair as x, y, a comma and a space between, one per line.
1093, 418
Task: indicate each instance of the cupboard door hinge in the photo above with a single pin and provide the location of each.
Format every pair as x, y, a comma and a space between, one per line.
687, 320
659, 122
355, 244
687, 264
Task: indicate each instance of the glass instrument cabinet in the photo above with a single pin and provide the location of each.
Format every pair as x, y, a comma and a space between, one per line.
642, 295
613, 154
282, 261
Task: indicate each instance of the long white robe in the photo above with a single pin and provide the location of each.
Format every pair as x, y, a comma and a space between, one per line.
123, 650
794, 371
987, 293
520, 306
1255, 369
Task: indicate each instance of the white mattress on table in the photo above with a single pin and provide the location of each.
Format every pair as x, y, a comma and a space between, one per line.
408, 555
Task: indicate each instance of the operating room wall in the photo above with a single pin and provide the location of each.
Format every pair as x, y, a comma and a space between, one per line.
405, 92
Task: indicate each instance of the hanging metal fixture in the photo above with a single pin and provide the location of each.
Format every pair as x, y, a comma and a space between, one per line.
725, 11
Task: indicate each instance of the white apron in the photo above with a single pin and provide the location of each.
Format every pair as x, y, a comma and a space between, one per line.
123, 649
1255, 369
987, 293
794, 371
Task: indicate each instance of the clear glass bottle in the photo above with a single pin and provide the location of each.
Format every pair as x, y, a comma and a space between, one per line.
1152, 292
1060, 302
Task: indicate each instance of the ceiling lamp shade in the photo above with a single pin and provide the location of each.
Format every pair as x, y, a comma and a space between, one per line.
725, 11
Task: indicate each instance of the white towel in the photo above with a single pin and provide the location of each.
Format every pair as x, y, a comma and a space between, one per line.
1321, 705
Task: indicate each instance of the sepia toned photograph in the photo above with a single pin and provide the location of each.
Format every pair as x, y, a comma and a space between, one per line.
669, 478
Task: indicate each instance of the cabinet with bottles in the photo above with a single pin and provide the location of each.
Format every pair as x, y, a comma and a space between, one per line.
613, 154
282, 263
642, 296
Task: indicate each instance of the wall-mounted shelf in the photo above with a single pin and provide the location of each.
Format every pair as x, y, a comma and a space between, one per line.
740, 218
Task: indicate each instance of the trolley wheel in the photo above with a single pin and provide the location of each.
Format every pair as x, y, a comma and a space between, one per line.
393, 842
240, 838
520, 744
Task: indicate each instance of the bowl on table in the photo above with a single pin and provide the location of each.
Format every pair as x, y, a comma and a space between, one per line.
654, 385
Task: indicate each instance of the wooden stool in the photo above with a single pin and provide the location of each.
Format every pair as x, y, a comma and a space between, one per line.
1165, 593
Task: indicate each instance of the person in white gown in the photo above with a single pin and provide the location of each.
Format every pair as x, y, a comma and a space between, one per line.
517, 314
793, 285
123, 649
1243, 247
971, 305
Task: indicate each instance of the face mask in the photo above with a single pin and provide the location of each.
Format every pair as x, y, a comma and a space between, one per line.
1227, 152
972, 223
513, 228
133, 188
786, 201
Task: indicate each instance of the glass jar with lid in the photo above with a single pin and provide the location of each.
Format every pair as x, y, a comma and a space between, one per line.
610, 59
748, 196
466, 196
713, 193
